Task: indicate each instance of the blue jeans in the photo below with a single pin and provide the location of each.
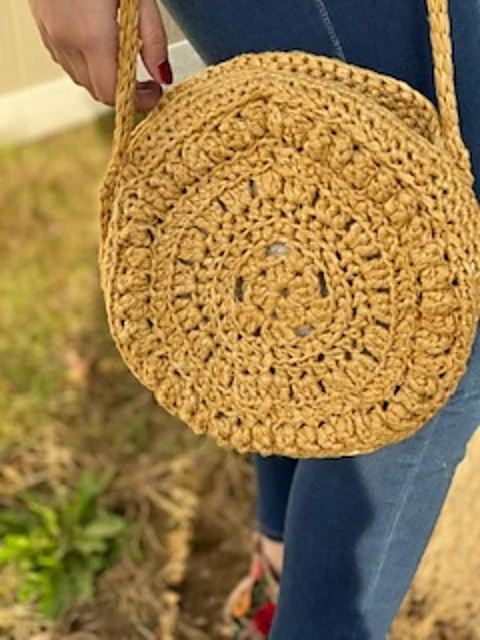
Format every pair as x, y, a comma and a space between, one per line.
355, 529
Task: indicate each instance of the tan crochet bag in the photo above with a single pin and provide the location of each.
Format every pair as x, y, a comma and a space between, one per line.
291, 248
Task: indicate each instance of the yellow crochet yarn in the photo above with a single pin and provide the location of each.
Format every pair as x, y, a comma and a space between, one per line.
290, 249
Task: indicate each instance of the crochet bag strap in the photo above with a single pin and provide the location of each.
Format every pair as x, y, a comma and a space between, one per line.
129, 47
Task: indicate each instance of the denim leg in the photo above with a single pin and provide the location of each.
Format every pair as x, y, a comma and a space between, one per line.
221, 29
274, 475
357, 527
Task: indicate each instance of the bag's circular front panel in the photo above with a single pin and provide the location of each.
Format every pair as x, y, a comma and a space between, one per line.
292, 274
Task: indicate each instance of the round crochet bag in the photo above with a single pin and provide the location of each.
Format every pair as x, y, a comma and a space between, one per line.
290, 252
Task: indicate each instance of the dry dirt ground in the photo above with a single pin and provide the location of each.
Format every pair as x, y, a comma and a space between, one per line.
67, 402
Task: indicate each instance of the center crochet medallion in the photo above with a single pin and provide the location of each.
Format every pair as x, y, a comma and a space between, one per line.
286, 272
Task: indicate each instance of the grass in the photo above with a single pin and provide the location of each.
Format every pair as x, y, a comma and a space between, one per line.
59, 549
47, 285
68, 404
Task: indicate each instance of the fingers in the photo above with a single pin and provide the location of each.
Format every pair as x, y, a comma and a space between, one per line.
101, 63
73, 62
102, 71
97, 73
101, 60
82, 36
154, 42
75, 65
96, 65
98, 48
46, 41
147, 96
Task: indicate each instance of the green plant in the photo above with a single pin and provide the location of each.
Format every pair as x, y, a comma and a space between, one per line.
60, 546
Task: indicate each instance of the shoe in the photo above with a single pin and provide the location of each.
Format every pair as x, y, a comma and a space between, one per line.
251, 606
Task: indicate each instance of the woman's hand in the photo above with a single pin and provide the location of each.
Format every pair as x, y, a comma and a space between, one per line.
82, 37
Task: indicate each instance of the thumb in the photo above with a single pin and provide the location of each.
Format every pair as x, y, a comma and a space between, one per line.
154, 42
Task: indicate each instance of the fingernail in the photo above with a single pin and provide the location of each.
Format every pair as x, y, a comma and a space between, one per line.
166, 72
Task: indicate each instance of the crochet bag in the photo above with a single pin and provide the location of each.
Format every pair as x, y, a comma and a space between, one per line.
290, 248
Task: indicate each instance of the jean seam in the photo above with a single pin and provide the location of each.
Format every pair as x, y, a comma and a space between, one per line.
406, 489
320, 4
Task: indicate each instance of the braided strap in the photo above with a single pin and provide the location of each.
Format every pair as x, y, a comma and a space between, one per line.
440, 38
128, 49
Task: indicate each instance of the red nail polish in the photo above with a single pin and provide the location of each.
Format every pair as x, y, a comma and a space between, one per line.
166, 72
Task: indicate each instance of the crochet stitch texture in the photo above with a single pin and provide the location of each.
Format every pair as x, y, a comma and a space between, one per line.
291, 248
